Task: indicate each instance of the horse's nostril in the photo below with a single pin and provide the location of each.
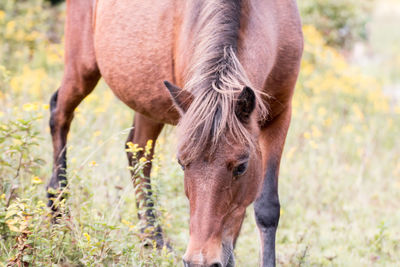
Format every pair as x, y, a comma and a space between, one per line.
216, 264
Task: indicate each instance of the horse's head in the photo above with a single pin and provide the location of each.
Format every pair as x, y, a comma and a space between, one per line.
221, 180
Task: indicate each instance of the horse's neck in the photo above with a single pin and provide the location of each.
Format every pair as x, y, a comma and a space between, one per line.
206, 30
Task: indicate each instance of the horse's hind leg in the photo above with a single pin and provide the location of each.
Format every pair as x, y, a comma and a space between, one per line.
145, 129
81, 75
62, 105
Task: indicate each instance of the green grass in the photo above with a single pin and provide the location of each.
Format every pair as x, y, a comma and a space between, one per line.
339, 184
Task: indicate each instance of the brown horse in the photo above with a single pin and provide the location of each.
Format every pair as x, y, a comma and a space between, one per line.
237, 63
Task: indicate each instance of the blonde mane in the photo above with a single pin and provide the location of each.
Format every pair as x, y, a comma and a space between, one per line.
215, 78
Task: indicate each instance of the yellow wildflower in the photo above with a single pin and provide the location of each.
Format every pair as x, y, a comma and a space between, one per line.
390, 122
125, 222
348, 128
358, 112
313, 144
17, 142
2, 15
10, 27
316, 132
30, 107
36, 180
328, 122
92, 163
149, 143
133, 148
99, 110
87, 236
142, 160
31, 36
148, 147
397, 109
307, 135
289, 155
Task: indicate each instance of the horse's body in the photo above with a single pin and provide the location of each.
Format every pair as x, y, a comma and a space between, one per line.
136, 45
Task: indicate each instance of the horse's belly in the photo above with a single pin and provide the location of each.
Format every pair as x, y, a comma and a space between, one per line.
133, 44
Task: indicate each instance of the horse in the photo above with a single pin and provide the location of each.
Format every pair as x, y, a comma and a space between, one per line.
224, 72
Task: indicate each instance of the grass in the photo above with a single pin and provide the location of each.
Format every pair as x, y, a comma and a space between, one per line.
339, 182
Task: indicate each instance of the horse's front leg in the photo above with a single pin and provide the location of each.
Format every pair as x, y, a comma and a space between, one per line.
144, 129
266, 206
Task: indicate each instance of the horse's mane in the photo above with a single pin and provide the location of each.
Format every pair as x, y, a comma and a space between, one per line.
215, 78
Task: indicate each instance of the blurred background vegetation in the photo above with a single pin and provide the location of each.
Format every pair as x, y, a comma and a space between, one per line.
341, 22
340, 174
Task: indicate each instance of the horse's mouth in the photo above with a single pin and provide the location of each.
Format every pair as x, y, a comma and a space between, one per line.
228, 256
227, 259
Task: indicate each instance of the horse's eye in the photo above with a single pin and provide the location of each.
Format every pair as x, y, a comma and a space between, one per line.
240, 169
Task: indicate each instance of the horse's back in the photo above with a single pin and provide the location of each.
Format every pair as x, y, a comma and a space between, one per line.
139, 44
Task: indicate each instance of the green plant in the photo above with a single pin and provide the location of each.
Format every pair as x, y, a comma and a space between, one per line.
341, 22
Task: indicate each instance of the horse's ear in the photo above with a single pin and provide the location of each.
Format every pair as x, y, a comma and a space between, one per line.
245, 104
181, 98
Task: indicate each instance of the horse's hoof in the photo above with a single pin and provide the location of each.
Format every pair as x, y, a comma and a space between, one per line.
154, 238
156, 241
56, 204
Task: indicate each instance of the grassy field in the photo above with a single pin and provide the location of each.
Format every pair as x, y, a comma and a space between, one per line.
339, 181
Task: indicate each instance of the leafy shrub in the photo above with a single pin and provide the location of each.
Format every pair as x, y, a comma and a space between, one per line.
27, 234
341, 22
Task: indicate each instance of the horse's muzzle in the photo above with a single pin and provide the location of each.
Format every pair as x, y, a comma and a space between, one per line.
189, 264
